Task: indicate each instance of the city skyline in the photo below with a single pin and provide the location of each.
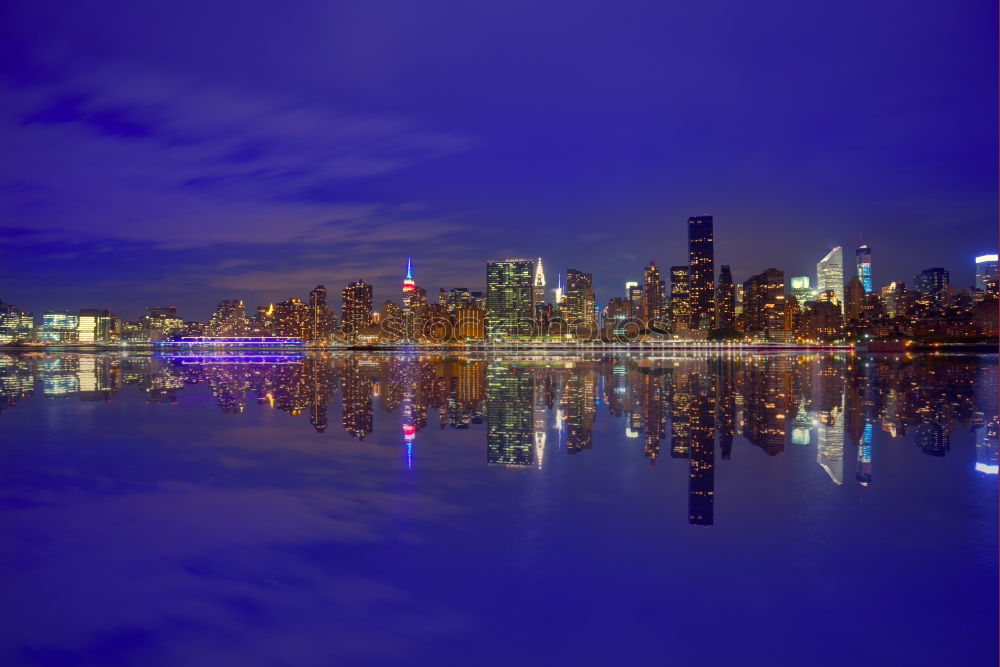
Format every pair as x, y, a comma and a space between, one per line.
207, 303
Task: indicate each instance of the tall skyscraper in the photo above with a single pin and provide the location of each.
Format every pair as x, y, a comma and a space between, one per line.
864, 257
830, 275
725, 300
701, 260
539, 286
653, 294
509, 298
633, 292
320, 320
986, 273
578, 308
680, 309
356, 305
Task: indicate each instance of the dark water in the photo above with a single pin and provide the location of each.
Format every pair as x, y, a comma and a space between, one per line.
485, 510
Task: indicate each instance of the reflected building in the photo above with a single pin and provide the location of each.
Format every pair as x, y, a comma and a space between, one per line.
701, 426
509, 415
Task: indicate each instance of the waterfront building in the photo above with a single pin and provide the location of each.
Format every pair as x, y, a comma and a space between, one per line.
701, 262
725, 300
680, 312
509, 298
356, 313
654, 296
764, 305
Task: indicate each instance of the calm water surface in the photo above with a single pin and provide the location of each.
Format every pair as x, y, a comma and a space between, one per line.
496, 510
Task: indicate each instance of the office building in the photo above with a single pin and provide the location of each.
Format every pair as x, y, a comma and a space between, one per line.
764, 304
680, 313
701, 261
864, 268
356, 312
509, 298
830, 275
654, 295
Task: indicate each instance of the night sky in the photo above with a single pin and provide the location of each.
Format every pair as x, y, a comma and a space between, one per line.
182, 153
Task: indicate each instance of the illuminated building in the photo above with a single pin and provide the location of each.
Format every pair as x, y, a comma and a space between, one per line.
821, 321
725, 300
15, 325
801, 290
509, 298
93, 326
292, 318
470, 323
229, 319
654, 295
864, 259
412, 298
509, 415
934, 286
891, 298
578, 304
356, 307
986, 274
701, 260
539, 284
58, 327
680, 312
320, 315
830, 275
764, 304
161, 322
616, 315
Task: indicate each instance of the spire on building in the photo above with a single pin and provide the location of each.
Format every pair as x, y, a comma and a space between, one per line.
539, 274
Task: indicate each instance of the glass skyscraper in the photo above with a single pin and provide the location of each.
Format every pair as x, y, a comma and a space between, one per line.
830, 275
864, 258
509, 297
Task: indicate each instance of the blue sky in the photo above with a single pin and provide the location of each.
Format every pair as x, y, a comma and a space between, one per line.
183, 154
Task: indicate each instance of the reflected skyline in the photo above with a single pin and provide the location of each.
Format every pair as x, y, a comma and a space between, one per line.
534, 407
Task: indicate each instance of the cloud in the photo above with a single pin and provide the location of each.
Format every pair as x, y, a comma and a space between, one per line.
138, 155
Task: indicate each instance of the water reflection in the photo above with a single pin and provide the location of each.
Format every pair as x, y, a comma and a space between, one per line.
689, 407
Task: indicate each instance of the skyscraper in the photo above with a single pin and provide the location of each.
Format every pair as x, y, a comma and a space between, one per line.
680, 310
830, 275
320, 320
725, 300
933, 286
864, 257
701, 260
509, 298
539, 286
653, 294
356, 306
578, 308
